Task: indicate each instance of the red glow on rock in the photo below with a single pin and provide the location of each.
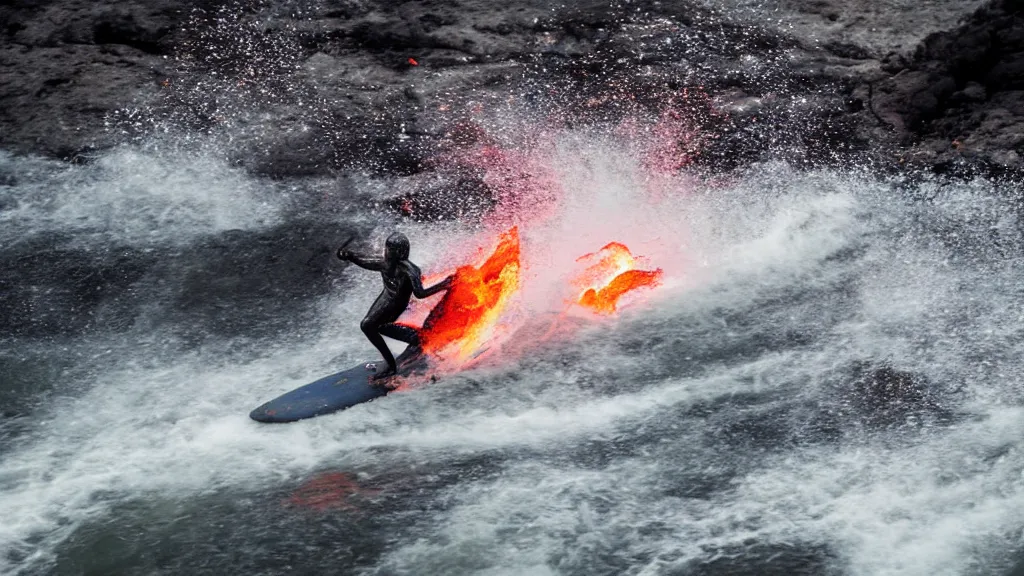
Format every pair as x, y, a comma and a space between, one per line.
413, 62
612, 274
464, 318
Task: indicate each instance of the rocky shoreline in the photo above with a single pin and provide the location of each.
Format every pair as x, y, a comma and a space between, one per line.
301, 90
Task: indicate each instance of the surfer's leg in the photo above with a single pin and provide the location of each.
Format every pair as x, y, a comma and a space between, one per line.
406, 334
372, 331
380, 315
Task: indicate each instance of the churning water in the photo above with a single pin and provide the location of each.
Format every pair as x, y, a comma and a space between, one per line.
827, 382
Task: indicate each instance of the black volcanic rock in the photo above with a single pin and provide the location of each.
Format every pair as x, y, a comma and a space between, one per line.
67, 66
301, 90
296, 89
961, 98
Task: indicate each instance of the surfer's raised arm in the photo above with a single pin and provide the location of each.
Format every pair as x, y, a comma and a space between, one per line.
376, 264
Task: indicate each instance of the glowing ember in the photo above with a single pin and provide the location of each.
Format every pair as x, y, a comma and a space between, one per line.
613, 274
461, 323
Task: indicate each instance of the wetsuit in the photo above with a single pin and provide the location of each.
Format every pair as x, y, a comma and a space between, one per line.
402, 279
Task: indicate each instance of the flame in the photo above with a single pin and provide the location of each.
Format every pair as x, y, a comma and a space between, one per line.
613, 274
462, 324
463, 320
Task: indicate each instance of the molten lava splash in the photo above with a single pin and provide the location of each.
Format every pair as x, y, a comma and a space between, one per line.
461, 323
612, 275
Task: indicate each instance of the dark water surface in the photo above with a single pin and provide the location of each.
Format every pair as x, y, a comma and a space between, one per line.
829, 382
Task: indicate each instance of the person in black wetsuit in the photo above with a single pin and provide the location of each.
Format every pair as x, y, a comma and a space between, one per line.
402, 279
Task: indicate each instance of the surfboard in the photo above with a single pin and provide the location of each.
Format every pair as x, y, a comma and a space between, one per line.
329, 394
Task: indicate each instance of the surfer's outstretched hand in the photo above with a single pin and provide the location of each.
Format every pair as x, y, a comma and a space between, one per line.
344, 254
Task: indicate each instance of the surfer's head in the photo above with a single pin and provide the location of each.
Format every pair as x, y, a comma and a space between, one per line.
396, 248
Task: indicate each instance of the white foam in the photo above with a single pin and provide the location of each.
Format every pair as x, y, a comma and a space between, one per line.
134, 196
938, 502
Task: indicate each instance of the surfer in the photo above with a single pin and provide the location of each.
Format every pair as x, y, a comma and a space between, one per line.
402, 279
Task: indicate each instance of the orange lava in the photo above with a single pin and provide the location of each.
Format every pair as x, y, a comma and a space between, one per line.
462, 321
613, 274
